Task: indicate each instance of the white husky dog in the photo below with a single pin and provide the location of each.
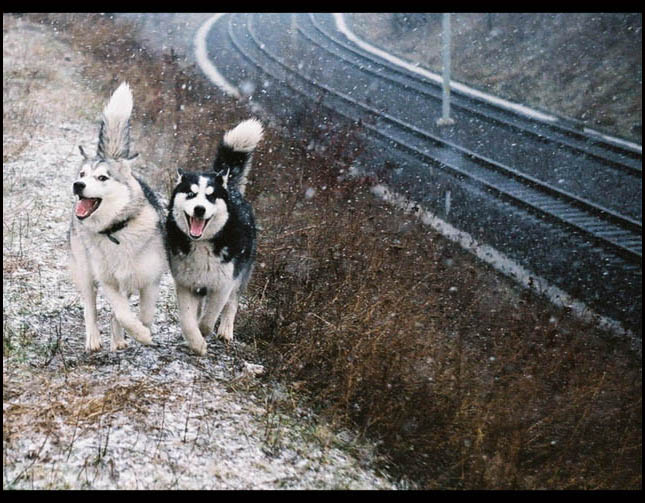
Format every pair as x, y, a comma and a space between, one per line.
116, 235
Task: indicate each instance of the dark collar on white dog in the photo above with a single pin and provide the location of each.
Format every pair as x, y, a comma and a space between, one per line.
114, 228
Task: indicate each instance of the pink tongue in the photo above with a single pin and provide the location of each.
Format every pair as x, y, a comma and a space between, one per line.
197, 226
84, 207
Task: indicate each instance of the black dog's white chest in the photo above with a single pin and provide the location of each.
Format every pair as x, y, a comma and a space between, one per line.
202, 267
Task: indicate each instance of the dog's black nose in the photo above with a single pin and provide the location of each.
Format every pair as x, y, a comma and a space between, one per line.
78, 188
199, 211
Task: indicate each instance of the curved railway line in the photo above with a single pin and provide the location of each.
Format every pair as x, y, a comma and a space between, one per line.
578, 182
568, 136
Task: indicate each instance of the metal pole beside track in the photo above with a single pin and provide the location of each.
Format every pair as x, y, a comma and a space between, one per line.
445, 119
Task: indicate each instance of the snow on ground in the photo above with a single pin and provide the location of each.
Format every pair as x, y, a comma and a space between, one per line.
201, 55
142, 418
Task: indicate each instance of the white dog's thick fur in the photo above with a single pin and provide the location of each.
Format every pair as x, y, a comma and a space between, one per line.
116, 236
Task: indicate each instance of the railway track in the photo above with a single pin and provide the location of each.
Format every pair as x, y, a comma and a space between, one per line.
605, 227
614, 233
564, 133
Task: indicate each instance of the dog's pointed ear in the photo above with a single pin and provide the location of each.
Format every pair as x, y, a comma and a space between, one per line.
180, 174
223, 177
125, 165
80, 147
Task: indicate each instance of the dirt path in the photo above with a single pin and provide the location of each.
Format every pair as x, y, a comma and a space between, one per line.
146, 417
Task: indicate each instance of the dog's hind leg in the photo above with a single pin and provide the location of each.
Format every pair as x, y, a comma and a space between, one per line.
188, 304
225, 329
118, 341
124, 316
148, 302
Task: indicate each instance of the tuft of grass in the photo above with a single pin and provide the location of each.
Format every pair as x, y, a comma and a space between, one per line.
465, 381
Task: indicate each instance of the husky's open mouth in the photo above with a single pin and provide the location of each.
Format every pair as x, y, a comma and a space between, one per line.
196, 225
85, 206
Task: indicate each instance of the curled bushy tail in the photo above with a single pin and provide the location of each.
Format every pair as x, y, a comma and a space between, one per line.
114, 135
236, 151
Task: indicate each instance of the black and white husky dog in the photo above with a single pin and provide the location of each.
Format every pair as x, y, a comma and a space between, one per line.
211, 238
116, 231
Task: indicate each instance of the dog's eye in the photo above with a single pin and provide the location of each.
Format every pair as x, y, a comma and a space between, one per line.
82, 174
190, 195
102, 178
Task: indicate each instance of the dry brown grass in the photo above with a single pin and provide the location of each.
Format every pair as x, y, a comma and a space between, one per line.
75, 401
469, 382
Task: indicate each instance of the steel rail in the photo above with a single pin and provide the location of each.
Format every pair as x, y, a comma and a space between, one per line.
429, 88
596, 222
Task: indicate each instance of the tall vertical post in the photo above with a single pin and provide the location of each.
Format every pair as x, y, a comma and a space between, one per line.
445, 119
293, 29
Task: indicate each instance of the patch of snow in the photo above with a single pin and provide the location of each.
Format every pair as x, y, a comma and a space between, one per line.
617, 141
201, 54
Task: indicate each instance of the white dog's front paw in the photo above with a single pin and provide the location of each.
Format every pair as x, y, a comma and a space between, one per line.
142, 335
115, 345
198, 345
92, 341
225, 331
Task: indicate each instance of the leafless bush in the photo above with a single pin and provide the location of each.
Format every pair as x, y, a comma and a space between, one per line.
402, 334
